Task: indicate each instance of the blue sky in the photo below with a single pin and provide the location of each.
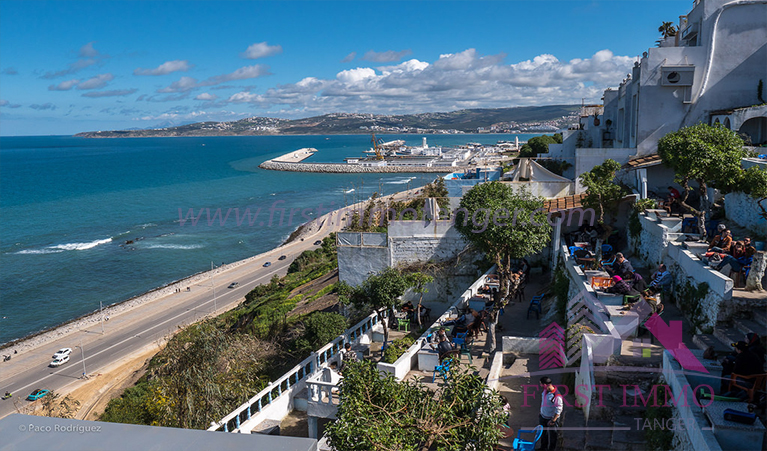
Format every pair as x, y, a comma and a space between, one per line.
67, 66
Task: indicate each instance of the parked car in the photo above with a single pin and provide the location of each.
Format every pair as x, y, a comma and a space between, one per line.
234, 285
282, 257
37, 394
60, 361
267, 264
318, 242
61, 353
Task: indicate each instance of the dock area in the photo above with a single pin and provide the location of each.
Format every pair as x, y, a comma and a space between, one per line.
296, 156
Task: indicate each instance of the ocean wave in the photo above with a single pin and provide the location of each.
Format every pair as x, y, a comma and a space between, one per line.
400, 182
174, 246
80, 246
38, 251
349, 191
148, 224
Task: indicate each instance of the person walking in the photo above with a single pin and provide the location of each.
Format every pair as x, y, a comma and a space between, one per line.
552, 404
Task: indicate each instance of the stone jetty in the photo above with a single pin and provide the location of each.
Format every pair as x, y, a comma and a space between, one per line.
293, 162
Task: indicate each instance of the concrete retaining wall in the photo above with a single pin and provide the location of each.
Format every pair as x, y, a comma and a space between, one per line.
743, 210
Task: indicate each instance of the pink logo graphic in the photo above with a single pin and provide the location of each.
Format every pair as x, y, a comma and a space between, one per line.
551, 347
670, 336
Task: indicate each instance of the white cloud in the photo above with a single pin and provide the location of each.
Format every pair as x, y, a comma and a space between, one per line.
64, 85
185, 84
7, 104
349, 58
87, 51
97, 82
461, 80
45, 106
165, 68
113, 93
388, 56
353, 76
181, 85
88, 56
261, 50
206, 96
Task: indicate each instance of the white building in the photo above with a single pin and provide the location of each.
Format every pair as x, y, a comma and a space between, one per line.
709, 72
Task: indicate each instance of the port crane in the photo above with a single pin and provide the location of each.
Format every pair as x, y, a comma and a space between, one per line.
376, 149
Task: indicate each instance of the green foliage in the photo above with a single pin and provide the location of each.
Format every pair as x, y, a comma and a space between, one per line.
689, 299
378, 413
539, 144
561, 290
667, 29
322, 259
397, 348
760, 92
658, 439
704, 153
320, 328
602, 193
522, 232
131, 407
634, 225
380, 291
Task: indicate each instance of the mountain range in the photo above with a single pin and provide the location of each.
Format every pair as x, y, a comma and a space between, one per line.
500, 120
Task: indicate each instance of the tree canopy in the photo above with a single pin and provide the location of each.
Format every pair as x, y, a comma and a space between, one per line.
602, 193
503, 224
754, 182
378, 413
709, 155
539, 144
380, 292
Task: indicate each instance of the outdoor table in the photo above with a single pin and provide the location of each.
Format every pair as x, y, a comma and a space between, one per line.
591, 273
609, 298
732, 435
626, 322
428, 358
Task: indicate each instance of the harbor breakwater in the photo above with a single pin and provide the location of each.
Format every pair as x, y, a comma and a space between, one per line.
344, 168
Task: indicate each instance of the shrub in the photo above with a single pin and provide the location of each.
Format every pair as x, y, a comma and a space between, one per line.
397, 348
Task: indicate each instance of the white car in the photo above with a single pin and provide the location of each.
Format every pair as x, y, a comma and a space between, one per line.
60, 361
64, 352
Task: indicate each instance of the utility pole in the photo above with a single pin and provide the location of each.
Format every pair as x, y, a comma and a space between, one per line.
212, 285
82, 354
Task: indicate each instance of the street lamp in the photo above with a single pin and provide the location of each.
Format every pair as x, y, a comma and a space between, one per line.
215, 303
82, 353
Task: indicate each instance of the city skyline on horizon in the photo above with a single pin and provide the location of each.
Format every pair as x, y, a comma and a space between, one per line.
71, 67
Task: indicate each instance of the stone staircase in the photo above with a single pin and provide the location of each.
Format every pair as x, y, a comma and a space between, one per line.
724, 335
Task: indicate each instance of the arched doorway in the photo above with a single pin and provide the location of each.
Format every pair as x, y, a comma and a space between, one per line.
756, 129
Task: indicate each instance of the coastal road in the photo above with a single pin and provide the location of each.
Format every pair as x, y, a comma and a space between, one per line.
148, 324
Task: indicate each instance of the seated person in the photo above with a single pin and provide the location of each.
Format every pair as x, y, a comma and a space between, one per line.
620, 286
672, 200
746, 363
583, 256
636, 281
721, 243
347, 356
444, 347
408, 308
660, 281
620, 266
741, 256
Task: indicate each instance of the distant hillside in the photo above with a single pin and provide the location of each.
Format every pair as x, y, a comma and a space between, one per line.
500, 120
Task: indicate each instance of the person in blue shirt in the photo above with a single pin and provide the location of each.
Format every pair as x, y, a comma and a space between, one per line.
661, 280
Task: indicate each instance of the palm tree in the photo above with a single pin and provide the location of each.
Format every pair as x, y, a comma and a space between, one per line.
667, 29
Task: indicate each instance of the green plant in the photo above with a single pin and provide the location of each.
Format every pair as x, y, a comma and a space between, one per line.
320, 328
397, 348
378, 413
711, 156
759, 92
658, 438
689, 299
561, 290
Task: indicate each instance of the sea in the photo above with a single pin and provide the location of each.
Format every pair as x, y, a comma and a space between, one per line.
90, 222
